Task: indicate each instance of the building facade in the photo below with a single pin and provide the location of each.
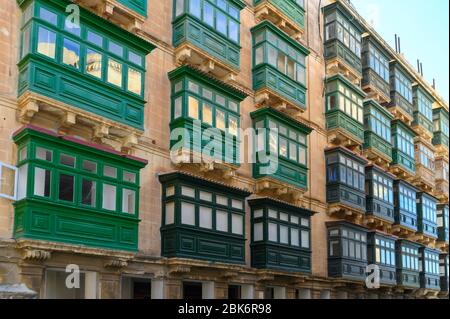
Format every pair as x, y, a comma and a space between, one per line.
105, 106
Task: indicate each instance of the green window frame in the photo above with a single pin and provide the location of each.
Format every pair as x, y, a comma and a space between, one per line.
85, 50
379, 63
197, 207
385, 252
192, 99
271, 49
404, 142
343, 97
222, 16
410, 258
431, 263
383, 188
351, 173
283, 228
425, 106
407, 200
347, 243
403, 86
426, 156
339, 28
429, 212
380, 124
441, 122
70, 179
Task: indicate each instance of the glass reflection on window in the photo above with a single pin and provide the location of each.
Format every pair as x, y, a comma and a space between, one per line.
114, 72
46, 42
71, 53
93, 63
134, 81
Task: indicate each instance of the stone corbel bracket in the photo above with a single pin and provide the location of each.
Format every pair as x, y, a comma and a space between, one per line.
36, 255
115, 264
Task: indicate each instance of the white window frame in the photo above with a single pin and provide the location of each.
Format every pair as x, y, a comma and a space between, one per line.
16, 180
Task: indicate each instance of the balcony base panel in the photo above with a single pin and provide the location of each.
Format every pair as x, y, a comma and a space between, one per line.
343, 138
273, 188
338, 66
401, 172
267, 97
378, 223
401, 115
376, 94
346, 212
377, 157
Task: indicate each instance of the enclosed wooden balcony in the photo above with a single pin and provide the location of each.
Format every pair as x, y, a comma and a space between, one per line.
424, 179
442, 179
423, 113
441, 132
401, 105
288, 15
408, 269
403, 162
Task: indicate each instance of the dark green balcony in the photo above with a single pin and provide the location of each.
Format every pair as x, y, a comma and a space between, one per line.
429, 276
279, 68
405, 208
423, 112
139, 6
380, 194
281, 156
347, 251
403, 161
202, 219
381, 252
344, 112
443, 223
96, 67
441, 131
427, 215
342, 42
377, 133
444, 272
206, 113
207, 32
345, 181
401, 105
375, 64
75, 192
281, 236
290, 12
408, 269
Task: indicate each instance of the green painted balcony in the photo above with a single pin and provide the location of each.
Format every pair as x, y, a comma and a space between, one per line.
423, 113
346, 192
444, 262
401, 105
95, 70
281, 159
202, 219
442, 179
443, 223
408, 269
288, 15
381, 252
206, 34
427, 215
206, 114
347, 251
377, 145
430, 274
75, 192
344, 112
403, 161
139, 6
375, 64
342, 43
441, 132
380, 196
405, 208
281, 236
279, 69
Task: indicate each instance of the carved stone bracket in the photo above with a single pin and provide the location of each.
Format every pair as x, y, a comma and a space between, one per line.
27, 111
116, 264
36, 255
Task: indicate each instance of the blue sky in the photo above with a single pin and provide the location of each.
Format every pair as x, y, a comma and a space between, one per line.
423, 27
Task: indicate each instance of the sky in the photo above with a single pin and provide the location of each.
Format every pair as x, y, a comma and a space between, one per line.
423, 27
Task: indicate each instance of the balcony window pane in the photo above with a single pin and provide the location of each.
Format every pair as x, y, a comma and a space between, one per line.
305, 239
233, 31
220, 120
207, 114
291, 69
67, 160
283, 147
206, 196
134, 58
129, 177
44, 154
281, 64
295, 238
284, 235
46, 42
193, 107
94, 38
93, 63
128, 201
115, 48
195, 8
205, 217
48, 16
237, 224
179, 7
222, 221
178, 108
188, 214
25, 42
134, 81
259, 55
272, 56
109, 197
89, 166
169, 213
208, 14
115, 72
222, 200
66, 187
273, 232
232, 125
221, 21
109, 171
42, 178
88, 192
71, 53
258, 232
188, 191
